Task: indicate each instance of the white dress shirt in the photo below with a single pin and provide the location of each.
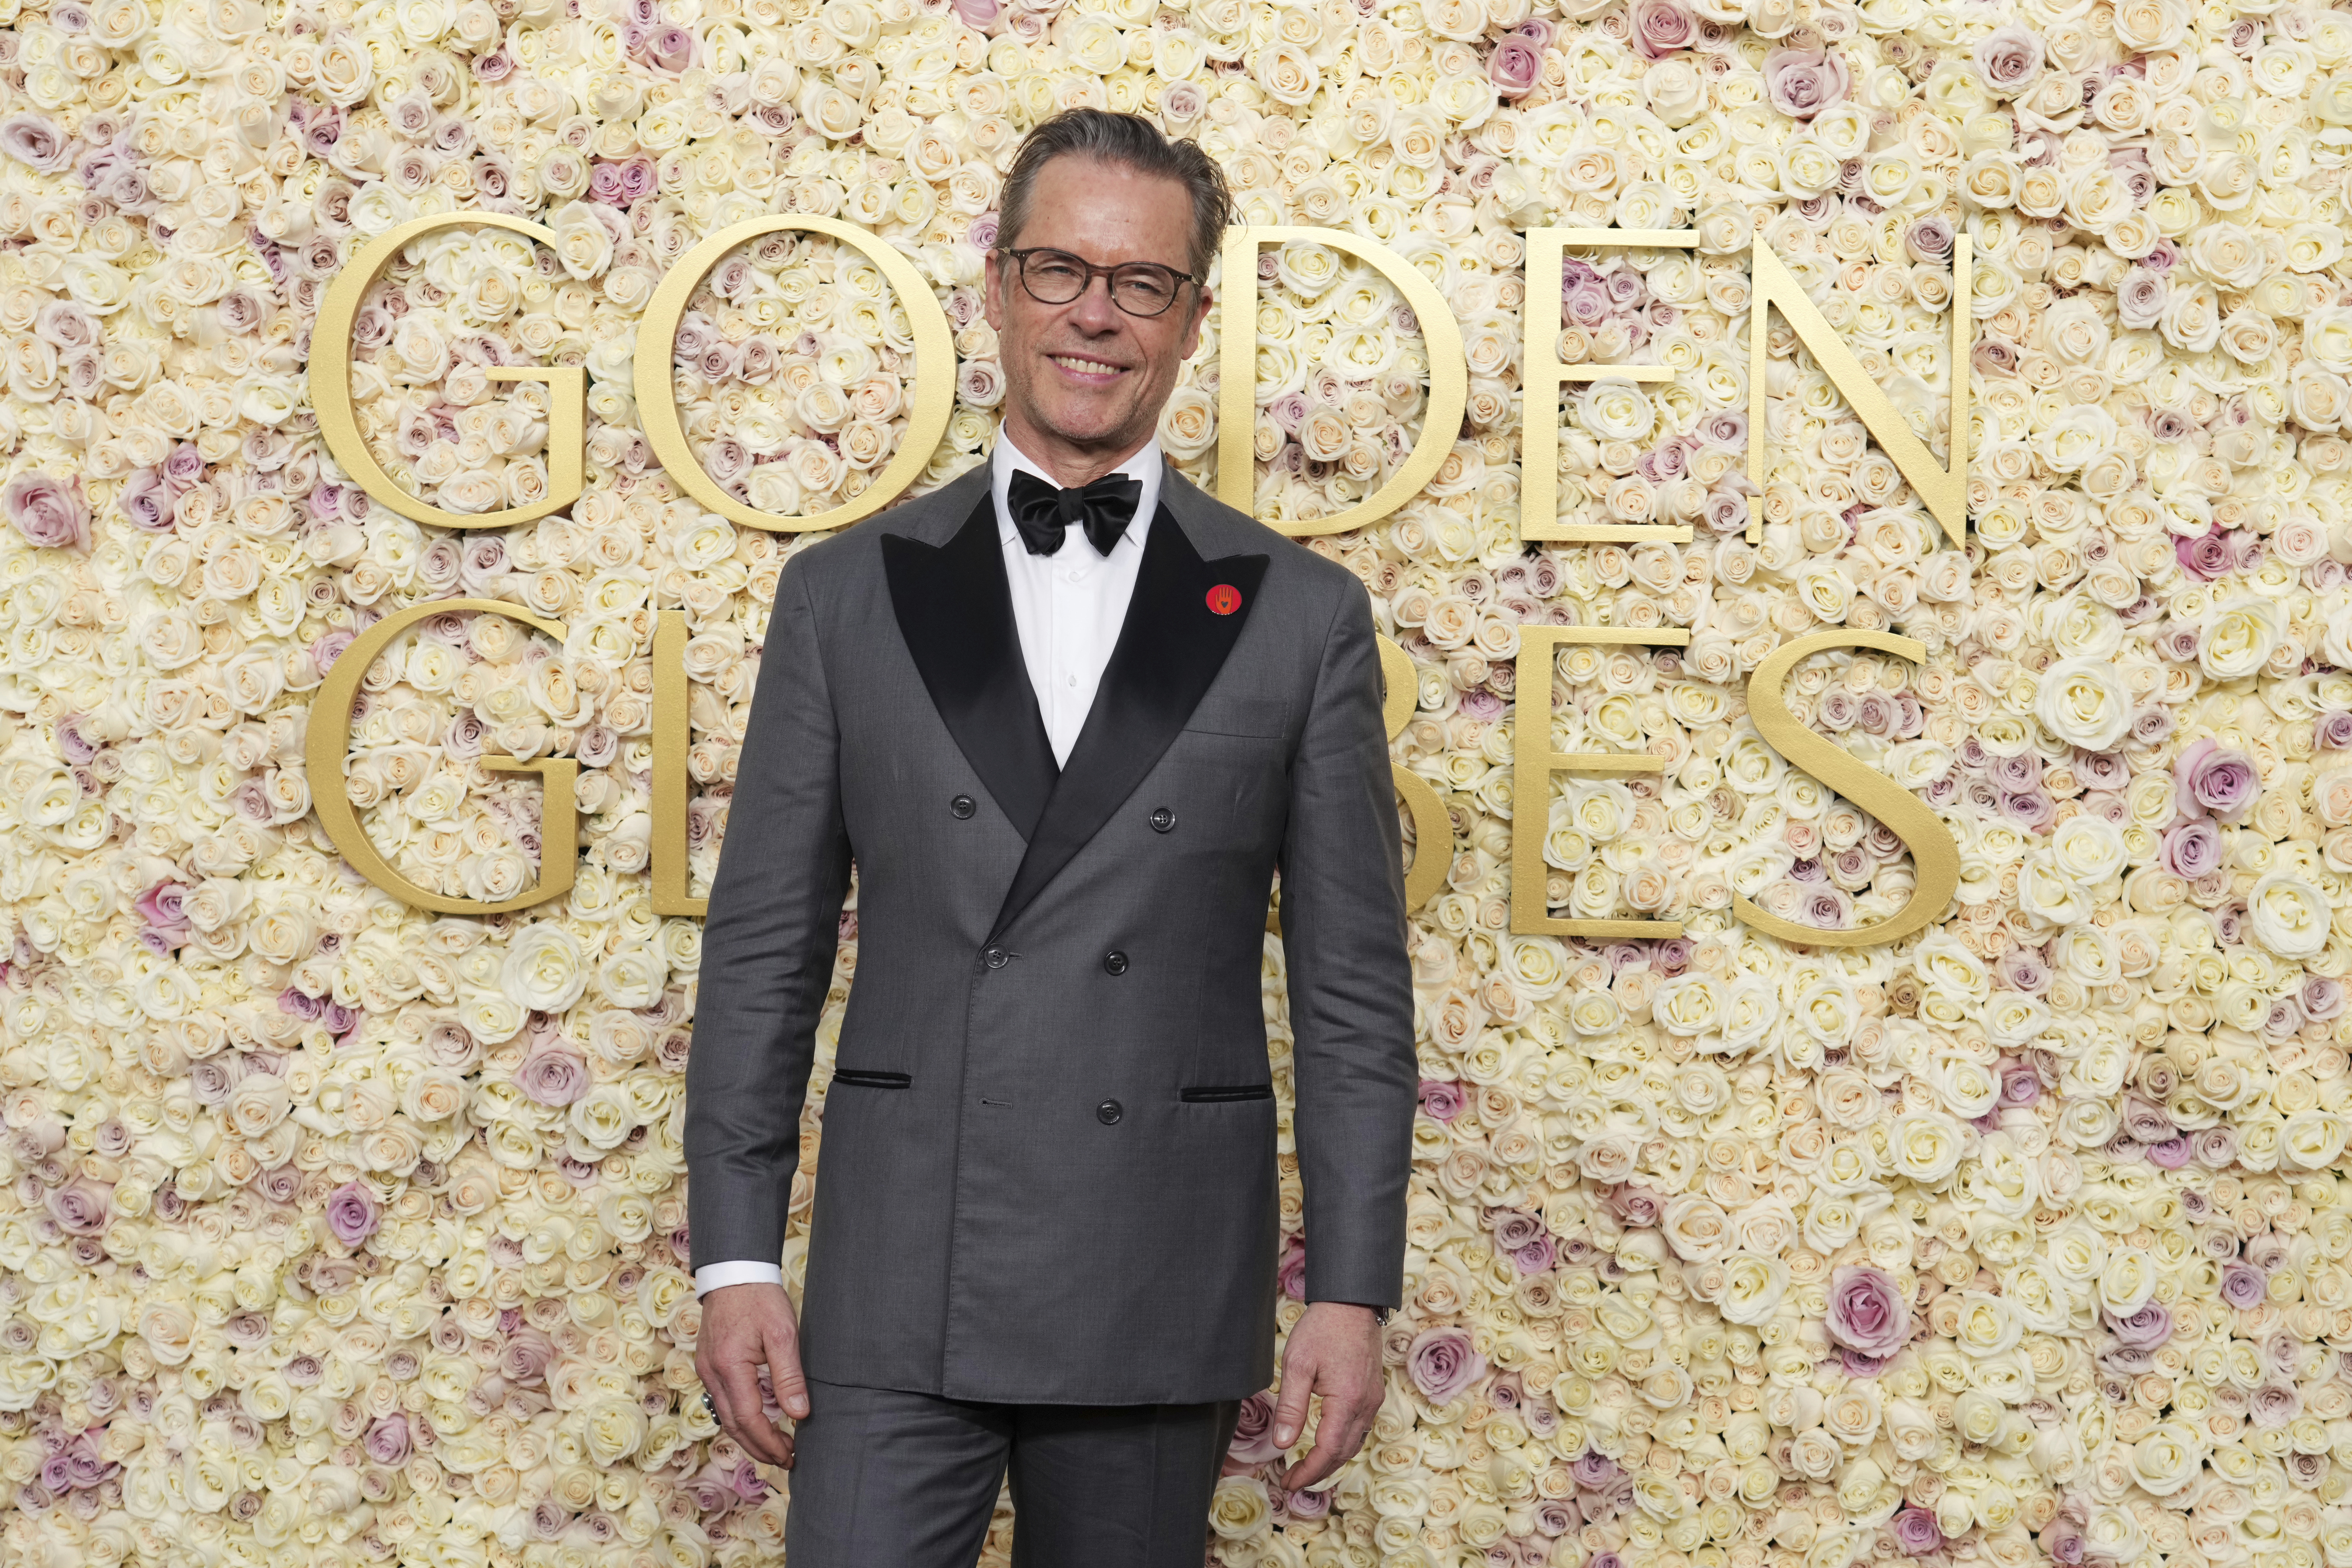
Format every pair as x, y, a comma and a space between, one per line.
1067, 608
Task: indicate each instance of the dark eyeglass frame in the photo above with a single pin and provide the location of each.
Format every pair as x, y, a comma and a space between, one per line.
1108, 274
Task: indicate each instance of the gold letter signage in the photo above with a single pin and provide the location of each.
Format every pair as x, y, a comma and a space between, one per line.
1933, 849
657, 387
324, 745
330, 387
1449, 376
1942, 488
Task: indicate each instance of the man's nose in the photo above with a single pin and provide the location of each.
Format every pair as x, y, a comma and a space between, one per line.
1093, 311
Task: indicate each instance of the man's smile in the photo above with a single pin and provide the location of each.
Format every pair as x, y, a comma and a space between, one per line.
1086, 368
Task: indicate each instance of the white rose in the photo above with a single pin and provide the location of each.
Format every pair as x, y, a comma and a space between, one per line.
1989, 1327
612, 1429
1752, 1288
2238, 638
1240, 1509
2290, 916
544, 969
1696, 1227
1686, 1006
2168, 1458
2126, 1283
2082, 702
2089, 848
2314, 1139
1927, 1147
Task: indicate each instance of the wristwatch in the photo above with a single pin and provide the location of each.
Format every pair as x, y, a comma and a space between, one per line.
1379, 1314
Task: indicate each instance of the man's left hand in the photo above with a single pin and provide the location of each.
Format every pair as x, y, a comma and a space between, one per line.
1334, 1350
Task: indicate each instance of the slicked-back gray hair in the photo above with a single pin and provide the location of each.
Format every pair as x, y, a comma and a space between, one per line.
1131, 142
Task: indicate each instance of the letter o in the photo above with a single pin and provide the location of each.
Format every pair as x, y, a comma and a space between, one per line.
1441, 335
656, 387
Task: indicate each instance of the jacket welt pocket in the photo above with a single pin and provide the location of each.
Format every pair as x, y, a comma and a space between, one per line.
860, 1078
1218, 1094
1267, 717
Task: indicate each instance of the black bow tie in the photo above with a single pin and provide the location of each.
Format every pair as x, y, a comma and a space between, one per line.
1044, 512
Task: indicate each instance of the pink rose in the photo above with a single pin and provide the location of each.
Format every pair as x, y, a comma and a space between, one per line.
1802, 82
48, 513
351, 1214
1660, 27
552, 1075
1867, 1313
1254, 1441
1443, 1363
1516, 65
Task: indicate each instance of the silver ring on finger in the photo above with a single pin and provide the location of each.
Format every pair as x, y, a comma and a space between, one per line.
707, 1403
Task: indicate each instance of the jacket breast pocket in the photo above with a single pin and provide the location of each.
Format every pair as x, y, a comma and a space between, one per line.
1265, 717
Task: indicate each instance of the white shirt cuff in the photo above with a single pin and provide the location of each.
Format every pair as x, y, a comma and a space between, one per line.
713, 1275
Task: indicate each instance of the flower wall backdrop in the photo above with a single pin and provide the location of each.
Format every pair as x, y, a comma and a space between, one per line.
336, 1232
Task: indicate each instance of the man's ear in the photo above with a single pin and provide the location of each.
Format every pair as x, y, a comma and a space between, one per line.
991, 291
1200, 319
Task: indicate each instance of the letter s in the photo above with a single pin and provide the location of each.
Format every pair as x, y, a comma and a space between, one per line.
1933, 849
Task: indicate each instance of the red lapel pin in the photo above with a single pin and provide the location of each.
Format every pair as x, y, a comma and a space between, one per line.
1224, 599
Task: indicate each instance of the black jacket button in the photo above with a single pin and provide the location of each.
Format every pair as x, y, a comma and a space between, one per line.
1110, 1111
997, 957
1114, 962
962, 805
1163, 819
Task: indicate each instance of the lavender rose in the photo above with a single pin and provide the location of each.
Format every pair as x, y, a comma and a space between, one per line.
351, 1214
80, 1206
2192, 849
32, 140
1254, 1441
1660, 27
387, 1440
1591, 1472
1443, 1363
1915, 1532
1291, 1274
2009, 60
2209, 778
2143, 1330
1867, 1313
1516, 66
48, 513
1308, 1505
1802, 82
552, 1076
2243, 1285
1441, 1099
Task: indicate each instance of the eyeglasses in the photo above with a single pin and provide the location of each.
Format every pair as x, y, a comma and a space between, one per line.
1056, 278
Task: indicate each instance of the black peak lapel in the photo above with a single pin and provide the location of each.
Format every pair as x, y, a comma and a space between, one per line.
1171, 648
955, 611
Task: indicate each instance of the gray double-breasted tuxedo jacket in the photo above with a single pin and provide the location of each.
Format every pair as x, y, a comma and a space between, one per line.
1048, 1163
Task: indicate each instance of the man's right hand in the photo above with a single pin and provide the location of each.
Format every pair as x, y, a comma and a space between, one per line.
744, 1328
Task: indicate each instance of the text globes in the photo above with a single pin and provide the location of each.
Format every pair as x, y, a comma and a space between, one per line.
1942, 488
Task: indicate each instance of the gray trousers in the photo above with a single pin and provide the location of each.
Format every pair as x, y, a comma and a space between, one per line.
883, 1478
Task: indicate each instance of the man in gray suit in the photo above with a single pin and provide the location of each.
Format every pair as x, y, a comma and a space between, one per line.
1067, 716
